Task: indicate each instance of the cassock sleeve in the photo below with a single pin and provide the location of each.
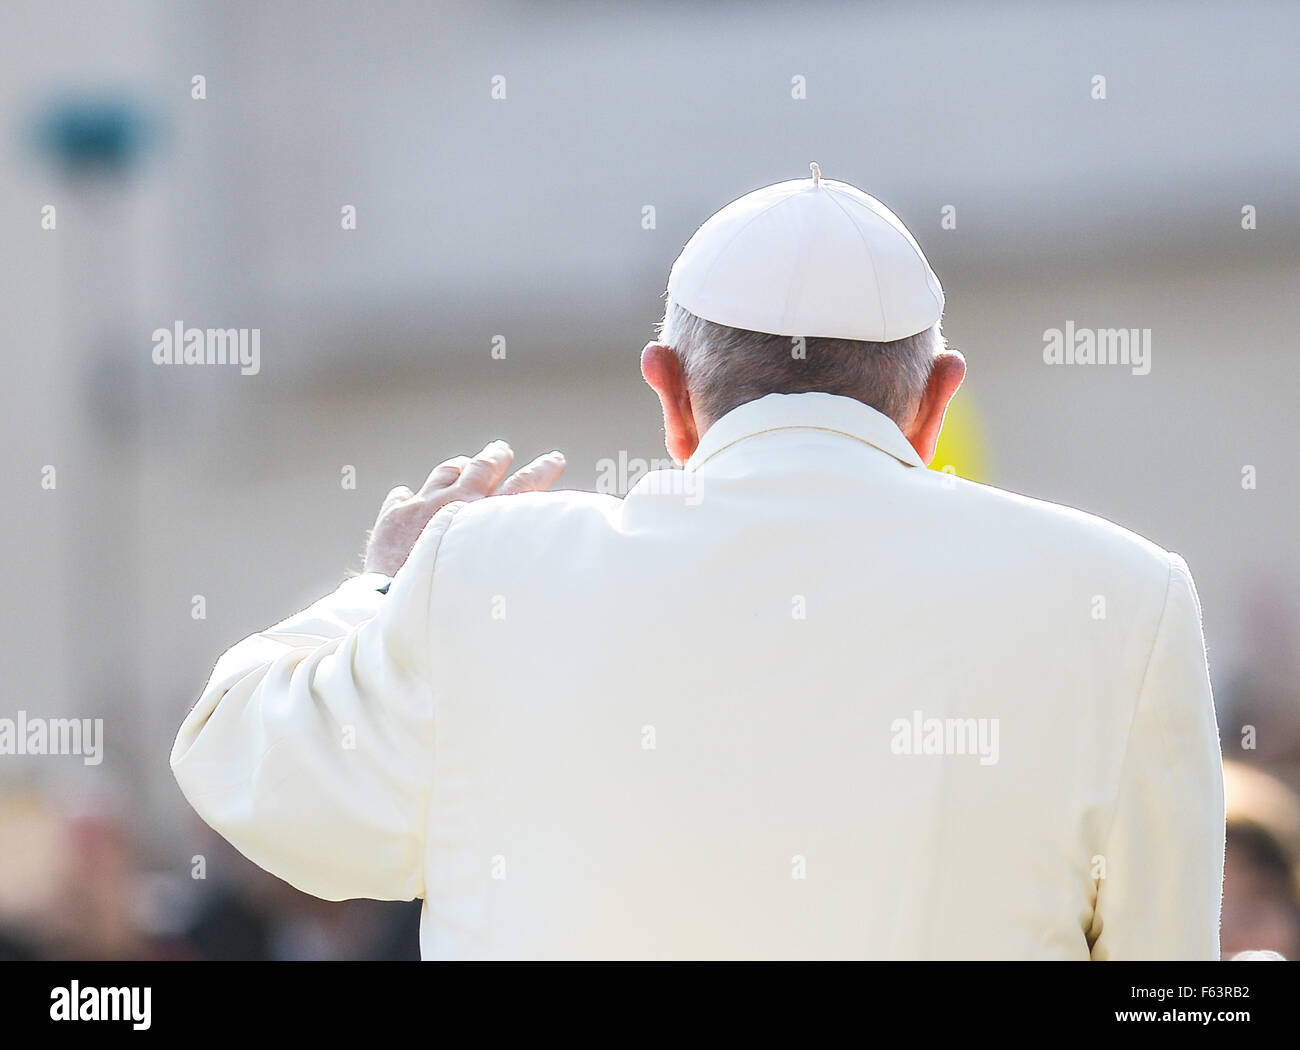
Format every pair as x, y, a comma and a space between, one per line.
310, 749
1162, 888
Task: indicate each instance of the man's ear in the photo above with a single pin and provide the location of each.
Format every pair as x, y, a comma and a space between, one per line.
663, 371
948, 371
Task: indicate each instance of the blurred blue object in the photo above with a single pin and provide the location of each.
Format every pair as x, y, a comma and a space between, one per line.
88, 135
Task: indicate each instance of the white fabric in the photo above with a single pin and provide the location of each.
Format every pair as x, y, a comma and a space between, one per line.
666, 726
811, 259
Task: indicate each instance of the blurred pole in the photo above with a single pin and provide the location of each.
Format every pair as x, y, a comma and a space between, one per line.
95, 394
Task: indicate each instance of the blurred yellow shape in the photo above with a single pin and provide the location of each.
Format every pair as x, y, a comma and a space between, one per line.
961, 447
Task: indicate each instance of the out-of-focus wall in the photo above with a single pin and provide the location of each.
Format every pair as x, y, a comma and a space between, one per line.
524, 217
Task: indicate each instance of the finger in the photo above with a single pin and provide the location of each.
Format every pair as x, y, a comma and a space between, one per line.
485, 471
397, 495
444, 475
538, 475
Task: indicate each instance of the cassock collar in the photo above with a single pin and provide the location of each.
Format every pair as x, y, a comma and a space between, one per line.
829, 412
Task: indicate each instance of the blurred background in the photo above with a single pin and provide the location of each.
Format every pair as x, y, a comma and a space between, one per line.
521, 177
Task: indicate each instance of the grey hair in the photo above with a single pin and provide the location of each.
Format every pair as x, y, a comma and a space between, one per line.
727, 367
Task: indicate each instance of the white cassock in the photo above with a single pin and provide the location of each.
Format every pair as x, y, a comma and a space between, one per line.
806, 699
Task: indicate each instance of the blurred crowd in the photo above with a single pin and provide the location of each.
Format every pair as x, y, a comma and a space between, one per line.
75, 885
